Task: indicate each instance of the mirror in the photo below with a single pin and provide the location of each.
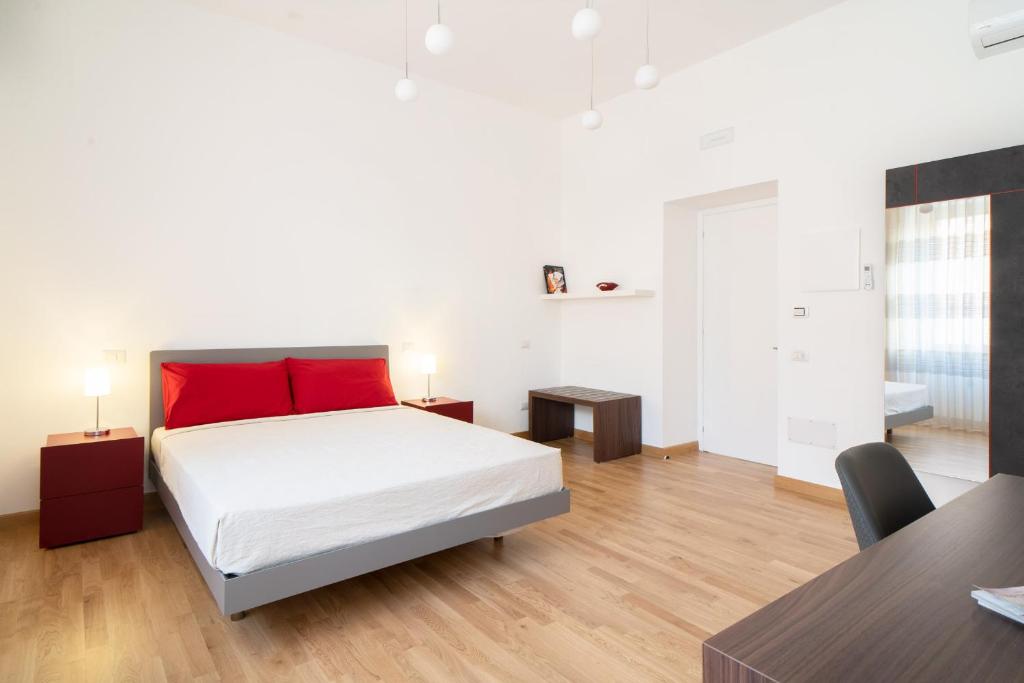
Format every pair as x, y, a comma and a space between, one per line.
938, 335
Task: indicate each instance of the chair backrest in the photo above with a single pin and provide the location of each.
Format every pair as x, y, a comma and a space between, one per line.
882, 493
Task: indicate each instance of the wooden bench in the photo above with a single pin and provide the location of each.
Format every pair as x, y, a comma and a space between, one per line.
616, 418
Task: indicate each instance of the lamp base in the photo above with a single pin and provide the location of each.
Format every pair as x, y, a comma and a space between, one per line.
429, 399
96, 432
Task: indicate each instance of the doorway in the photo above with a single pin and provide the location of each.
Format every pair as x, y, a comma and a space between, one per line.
738, 312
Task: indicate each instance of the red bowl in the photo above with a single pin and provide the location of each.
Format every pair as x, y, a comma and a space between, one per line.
607, 286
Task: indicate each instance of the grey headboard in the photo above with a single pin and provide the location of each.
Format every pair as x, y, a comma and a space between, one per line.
156, 396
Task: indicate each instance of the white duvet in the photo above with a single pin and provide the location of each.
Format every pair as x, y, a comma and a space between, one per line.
257, 493
901, 397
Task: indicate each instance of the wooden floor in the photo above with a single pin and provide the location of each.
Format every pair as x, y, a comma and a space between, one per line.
948, 452
655, 556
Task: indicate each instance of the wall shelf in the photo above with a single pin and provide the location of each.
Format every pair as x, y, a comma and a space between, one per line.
597, 294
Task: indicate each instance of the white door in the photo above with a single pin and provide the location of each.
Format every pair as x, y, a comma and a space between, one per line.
739, 355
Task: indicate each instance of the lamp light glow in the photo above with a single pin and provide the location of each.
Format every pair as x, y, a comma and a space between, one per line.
97, 382
428, 364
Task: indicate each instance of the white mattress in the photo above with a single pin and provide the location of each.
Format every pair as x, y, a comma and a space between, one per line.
902, 398
257, 493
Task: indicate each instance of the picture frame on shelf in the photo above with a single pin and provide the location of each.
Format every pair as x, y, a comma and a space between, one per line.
554, 280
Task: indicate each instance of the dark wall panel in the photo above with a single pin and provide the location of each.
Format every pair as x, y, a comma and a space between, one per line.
1006, 383
899, 187
972, 175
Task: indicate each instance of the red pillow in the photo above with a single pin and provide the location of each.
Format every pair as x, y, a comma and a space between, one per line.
201, 393
339, 384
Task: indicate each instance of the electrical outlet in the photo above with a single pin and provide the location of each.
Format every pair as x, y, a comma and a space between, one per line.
408, 346
525, 405
801, 356
525, 344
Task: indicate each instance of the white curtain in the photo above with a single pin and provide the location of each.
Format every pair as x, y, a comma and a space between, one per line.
937, 306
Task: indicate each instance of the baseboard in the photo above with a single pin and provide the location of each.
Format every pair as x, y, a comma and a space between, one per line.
19, 518
825, 494
521, 435
646, 449
668, 451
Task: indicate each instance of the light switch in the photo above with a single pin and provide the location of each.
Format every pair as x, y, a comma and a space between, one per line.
800, 312
115, 356
801, 356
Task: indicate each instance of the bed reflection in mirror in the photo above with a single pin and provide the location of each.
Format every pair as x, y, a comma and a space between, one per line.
937, 315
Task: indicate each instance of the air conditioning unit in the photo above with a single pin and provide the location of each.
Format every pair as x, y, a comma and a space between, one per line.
996, 26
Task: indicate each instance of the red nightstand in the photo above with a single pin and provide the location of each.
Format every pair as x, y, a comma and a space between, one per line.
89, 486
449, 407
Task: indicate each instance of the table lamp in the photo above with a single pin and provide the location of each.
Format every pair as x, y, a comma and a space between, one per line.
97, 383
428, 366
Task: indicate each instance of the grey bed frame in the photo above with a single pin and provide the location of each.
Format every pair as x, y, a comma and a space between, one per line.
908, 417
236, 593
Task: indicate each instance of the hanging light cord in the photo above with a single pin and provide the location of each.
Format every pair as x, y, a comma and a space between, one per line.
406, 45
591, 74
439, 11
647, 34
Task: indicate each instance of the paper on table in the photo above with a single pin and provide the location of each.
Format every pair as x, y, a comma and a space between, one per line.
1006, 601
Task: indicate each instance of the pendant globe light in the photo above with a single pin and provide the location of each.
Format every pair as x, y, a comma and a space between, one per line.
405, 89
439, 38
586, 23
647, 76
591, 119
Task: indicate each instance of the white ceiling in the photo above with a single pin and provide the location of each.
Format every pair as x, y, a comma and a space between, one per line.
521, 51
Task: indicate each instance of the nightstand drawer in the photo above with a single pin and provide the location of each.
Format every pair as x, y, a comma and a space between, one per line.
72, 519
90, 467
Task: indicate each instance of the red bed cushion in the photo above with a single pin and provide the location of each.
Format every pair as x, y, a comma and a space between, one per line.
201, 393
320, 385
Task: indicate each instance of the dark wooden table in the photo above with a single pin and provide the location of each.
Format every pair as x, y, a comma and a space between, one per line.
899, 611
616, 418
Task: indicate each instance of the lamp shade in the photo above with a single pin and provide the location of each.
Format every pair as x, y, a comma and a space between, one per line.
591, 119
428, 364
406, 90
586, 24
97, 382
439, 39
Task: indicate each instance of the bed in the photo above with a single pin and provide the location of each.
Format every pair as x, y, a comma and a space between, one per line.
906, 404
277, 506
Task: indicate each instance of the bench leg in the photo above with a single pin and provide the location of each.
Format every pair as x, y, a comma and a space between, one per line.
550, 420
617, 429
238, 616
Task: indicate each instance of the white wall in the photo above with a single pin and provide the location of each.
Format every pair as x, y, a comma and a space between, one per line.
177, 179
823, 107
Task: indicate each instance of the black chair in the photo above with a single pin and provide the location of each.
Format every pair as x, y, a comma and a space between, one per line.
882, 493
